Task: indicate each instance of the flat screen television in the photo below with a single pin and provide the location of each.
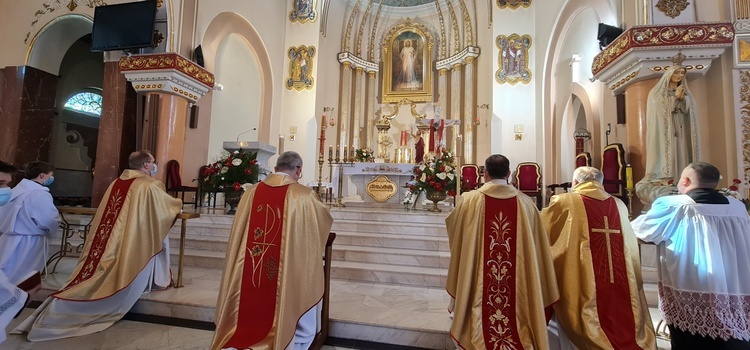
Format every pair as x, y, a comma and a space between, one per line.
123, 26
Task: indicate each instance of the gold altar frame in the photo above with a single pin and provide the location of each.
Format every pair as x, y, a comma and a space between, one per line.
420, 38
301, 60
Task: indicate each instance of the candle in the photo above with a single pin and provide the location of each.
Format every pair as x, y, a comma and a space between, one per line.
330, 152
345, 152
337, 153
404, 138
628, 176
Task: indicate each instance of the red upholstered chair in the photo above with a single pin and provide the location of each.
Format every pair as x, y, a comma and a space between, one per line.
469, 177
613, 168
583, 159
174, 184
528, 179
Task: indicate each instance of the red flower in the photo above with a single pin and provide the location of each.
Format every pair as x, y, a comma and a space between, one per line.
253, 162
737, 181
237, 186
670, 182
452, 193
248, 171
733, 188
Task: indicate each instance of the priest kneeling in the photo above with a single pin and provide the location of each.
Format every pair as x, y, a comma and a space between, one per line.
273, 280
500, 276
597, 264
125, 255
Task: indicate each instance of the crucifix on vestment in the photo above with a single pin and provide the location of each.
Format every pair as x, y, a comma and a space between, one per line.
607, 231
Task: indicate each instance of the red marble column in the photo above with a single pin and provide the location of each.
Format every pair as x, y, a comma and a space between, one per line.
117, 130
170, 136
27, 111
636, 95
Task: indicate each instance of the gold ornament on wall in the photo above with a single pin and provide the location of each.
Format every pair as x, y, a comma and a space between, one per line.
672, 8
303, 11
513, 4
300, 68
51, 6
513, 59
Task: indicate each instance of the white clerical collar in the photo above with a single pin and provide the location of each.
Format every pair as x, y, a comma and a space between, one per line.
499, 182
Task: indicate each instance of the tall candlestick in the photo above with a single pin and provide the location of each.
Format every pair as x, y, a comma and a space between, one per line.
345, 153
337, 153
330, 152
628, 176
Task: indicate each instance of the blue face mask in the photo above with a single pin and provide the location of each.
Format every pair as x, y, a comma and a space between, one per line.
5, 193
153, 171
49, 181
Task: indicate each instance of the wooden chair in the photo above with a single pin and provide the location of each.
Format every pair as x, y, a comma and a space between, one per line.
469, 177
321, 337
210, 194
528, 179
174, 184
613, 169
583, 159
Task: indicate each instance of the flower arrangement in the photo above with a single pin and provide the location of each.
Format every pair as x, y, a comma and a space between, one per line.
231, 172
733, 191
364, 155
437, 173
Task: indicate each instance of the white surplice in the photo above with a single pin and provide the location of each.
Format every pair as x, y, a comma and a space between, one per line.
25, 223
12, 300
704, 264
57, 318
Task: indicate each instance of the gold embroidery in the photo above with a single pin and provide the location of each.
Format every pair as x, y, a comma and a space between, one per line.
261, 242
499, 288
606, 231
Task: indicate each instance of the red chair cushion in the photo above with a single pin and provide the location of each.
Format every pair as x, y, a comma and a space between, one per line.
173, 174
611, 169
469, 177
528, 179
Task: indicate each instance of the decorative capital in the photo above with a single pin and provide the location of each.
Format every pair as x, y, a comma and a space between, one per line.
168, 73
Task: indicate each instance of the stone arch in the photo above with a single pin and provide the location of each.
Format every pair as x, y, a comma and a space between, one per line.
567, 16
227, 23
51, 42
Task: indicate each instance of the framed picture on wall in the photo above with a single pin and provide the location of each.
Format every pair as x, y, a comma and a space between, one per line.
407, 63
303, 11
741, 50
300, 68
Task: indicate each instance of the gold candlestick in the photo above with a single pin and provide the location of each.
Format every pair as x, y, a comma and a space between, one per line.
630, 202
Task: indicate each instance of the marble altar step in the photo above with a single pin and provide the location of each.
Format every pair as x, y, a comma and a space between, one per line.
369, 212
433, 243
390, 256
389, 274
391, 227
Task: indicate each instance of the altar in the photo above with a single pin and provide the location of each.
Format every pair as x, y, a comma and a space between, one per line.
377, 182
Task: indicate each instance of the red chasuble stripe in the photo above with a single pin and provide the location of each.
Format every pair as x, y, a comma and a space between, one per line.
261, 270
103, 231
610, 274
499, 295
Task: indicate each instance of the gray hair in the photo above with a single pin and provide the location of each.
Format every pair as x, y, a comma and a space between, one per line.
289, 161
587, 173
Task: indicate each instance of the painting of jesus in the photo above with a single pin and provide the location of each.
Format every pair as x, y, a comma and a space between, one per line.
408, 54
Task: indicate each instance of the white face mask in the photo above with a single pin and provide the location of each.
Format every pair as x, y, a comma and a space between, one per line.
5, 193
153, 171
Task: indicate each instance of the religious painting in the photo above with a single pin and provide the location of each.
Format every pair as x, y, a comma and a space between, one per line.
303, 11
407, 63
513, 4
513, 59
741, 50
300, 68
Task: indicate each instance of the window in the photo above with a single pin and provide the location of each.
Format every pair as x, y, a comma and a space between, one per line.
85, 102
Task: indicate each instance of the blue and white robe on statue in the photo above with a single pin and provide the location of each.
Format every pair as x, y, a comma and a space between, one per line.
25, 223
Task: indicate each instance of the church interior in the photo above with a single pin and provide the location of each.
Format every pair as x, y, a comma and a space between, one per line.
364, 90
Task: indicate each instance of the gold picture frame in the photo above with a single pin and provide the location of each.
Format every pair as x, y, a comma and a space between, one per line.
741, 50
513, 59
300, 68
407, 63
303, 11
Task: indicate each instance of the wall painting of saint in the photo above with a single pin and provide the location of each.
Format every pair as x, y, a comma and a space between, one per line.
300, 68
513, 4
513, 59
303, 11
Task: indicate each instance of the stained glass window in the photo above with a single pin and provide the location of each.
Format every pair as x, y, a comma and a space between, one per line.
86, 102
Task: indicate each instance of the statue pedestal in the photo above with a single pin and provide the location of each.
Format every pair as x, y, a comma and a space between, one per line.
265, 151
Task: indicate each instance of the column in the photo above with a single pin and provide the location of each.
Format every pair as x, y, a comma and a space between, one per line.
467, 123
342, 132
357, 109
370, 140
117, 129
636, 95
170, 135
455, 106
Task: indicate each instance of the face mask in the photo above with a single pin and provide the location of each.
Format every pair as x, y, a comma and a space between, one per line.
153, 171
4, 196
49, 181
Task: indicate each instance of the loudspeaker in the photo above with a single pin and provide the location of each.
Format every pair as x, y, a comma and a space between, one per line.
198, 56
193, 122
607, 34
620, 99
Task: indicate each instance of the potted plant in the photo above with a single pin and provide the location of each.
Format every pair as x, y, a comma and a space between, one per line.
437, 177
229, 174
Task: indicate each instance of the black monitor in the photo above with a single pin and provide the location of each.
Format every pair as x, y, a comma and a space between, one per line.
607, 34
123, 26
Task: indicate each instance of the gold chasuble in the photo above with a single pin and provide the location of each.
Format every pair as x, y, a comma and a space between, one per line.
274, 267
128, 229
596, 257
500, 275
